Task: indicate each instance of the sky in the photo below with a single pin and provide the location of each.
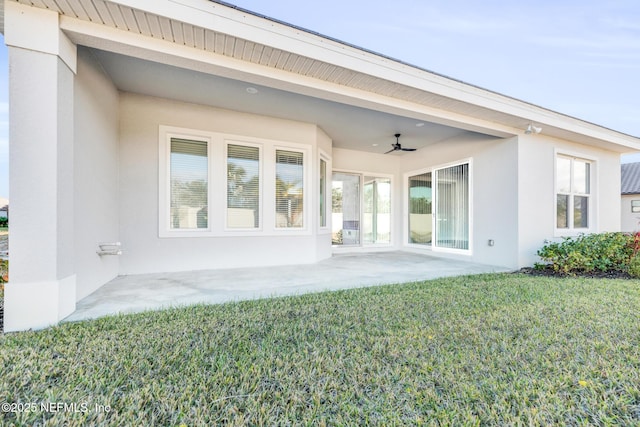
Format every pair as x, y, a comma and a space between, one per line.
580, 58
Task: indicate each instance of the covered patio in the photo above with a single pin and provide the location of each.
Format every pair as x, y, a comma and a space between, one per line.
142, 292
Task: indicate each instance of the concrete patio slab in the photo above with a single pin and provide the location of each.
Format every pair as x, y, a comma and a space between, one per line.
137, 293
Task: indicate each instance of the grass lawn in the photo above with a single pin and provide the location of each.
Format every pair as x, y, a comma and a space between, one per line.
490, 349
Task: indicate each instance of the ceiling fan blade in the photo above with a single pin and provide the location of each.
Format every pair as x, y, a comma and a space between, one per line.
408, 149
390, 151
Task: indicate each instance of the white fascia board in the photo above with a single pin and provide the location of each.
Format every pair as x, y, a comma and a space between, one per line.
148, 48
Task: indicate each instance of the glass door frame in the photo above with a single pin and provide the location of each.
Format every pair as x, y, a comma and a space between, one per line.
433, 170
362, 175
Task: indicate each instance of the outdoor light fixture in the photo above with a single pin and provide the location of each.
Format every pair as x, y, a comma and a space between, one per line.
532, 129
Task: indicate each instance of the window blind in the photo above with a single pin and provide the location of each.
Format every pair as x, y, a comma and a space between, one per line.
243, 186
289, 189
189, 174
452, 207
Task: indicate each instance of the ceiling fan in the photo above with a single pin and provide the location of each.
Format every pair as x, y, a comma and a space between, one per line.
398, 147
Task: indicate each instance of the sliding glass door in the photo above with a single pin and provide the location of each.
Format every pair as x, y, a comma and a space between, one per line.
452, 207
361, 210
345, 209
376, 217
439, 208
420, 216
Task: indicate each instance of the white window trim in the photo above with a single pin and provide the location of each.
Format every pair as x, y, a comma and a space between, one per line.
217, 185
432, 170
164, 194
593, 194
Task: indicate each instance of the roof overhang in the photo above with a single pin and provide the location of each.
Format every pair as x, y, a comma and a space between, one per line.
218, 39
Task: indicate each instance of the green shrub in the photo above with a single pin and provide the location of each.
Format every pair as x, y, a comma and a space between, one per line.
4, 271
604, 252
634, 266
4, 221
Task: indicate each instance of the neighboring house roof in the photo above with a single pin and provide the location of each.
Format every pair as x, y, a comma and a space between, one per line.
630, 175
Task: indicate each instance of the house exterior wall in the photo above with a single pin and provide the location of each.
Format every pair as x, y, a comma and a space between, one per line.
96, 168
494, 191
494, 178
630, 221
143, 250
536, 187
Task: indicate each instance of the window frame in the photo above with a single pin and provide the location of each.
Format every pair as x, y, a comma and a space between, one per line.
164, 196
637, 206
591, 195
217, 143
307, 187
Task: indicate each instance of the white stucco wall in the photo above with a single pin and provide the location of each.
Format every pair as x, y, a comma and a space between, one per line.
494, 192
143, 250
494, 184
536, 163
96, 168
630, 222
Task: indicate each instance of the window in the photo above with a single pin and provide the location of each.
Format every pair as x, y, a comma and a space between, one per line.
573, 191
323, 191
215, 184
189, 177
635, 206
243, 186
289, 188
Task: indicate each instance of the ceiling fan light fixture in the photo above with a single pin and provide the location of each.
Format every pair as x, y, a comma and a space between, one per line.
397, 146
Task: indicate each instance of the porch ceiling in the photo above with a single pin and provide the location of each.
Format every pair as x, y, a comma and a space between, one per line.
283, 56
350, 127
